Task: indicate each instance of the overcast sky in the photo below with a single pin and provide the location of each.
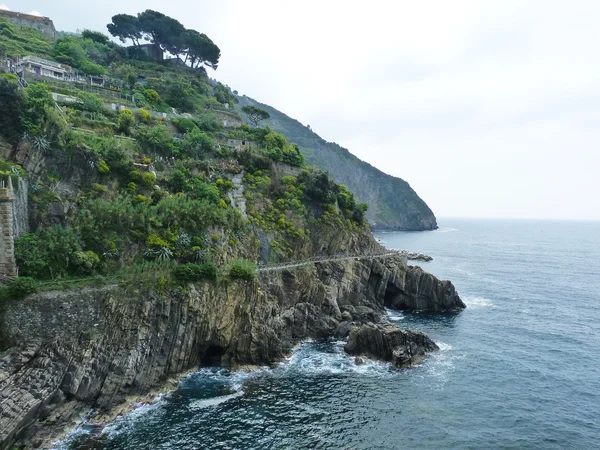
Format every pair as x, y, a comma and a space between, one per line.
487, 108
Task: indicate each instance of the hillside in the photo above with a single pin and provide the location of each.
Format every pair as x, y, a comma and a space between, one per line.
145, 230
393, 204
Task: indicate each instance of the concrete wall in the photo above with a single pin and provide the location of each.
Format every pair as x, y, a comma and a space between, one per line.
43, 24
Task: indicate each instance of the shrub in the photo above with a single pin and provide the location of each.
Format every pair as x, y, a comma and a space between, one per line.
102, 167
126, 121
144, 116
141, 200
196, 142
155, 241
243, 269
21, 287
184, 125
195, 272
148, 180
155, 140
86, 262
152, 96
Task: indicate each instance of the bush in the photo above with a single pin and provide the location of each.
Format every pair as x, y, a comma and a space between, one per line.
195, 272
86, 262
126, 121
148, 180
144, 116
21, 287
243, 270
102, 167
195, 143
152, 96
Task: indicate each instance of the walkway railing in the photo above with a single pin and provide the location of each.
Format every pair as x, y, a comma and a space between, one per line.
323, 259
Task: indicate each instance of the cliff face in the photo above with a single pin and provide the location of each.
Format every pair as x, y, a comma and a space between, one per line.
96, 346
393, 204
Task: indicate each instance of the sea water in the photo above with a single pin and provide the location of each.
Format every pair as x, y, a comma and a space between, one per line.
518, 369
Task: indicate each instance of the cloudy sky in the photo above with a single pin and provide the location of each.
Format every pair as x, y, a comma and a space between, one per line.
487, 108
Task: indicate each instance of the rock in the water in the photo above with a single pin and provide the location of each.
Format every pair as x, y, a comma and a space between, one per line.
418, 257
359, 361
389, 343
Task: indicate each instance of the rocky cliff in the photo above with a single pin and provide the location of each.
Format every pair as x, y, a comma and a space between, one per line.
393, 204
97, 346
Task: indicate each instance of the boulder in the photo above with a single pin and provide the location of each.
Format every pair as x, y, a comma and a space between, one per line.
387, 342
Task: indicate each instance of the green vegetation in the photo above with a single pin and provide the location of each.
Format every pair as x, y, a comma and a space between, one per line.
152, 197
168, 34
243, 270
255, 115
392, 202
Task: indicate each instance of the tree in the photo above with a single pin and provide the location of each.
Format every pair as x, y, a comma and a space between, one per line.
95, 36
38, 101
162, 30
255, 115
11, 108
124, 26
201, 50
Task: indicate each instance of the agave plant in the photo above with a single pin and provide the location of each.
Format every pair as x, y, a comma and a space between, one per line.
163, 254
39, 143
183, 241
199, 255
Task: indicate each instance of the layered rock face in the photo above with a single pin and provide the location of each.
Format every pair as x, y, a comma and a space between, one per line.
99, 345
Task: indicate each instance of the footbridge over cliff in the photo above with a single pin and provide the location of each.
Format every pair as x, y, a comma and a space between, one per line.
323, 259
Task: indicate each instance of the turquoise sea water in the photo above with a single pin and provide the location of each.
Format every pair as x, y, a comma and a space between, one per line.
518, 369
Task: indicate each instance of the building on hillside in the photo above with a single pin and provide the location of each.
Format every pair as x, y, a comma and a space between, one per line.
152, 50
45, 68
230, 120
238, 144
43, 24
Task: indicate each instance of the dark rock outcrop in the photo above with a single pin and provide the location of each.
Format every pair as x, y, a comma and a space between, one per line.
416, 290
389, 343
126, 340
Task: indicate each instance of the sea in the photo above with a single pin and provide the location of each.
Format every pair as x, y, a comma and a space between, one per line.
519, 368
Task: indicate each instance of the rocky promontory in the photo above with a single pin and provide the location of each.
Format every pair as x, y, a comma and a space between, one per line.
100, 345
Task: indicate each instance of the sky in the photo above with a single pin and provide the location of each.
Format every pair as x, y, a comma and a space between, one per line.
487, 108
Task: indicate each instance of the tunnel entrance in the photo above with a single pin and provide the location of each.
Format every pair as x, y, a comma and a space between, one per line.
213, 356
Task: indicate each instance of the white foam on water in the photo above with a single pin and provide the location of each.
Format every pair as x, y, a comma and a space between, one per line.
439, 365
444, 347
124, 423
478, 302
317, 360
445, 230
214, 401
394, 316
65, 443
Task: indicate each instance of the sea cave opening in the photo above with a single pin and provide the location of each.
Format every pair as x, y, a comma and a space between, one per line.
392, 296
213, 356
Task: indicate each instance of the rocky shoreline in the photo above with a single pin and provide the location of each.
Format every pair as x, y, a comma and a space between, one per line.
108, 348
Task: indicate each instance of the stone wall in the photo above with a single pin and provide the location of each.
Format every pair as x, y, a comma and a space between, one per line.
8, 267
47, 315
43, 24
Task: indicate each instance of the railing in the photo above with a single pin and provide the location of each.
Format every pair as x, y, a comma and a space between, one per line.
323, 259
43, 61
